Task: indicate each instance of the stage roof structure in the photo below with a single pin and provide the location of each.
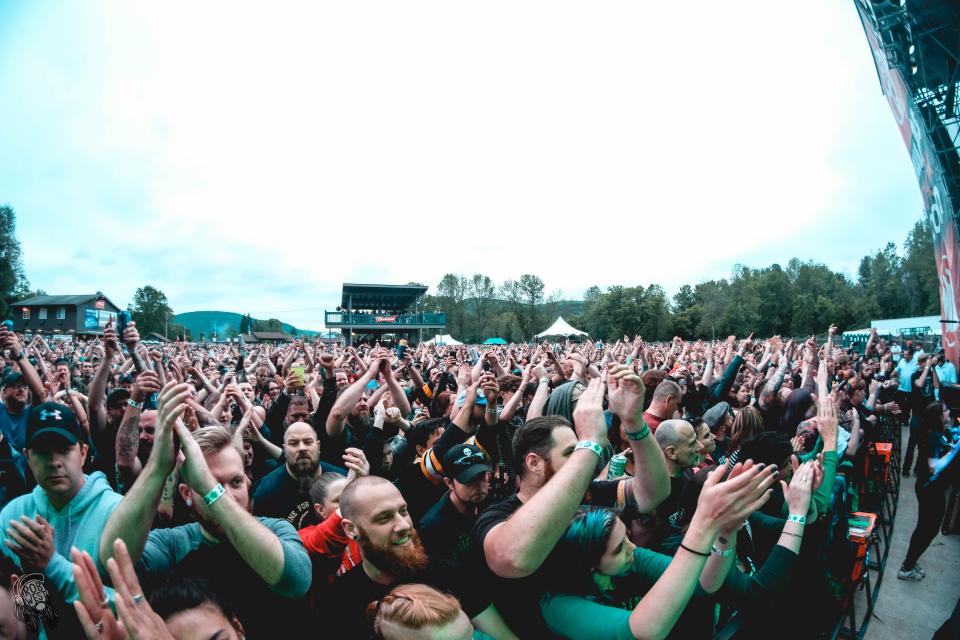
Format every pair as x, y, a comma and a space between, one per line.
380, 297
383, 312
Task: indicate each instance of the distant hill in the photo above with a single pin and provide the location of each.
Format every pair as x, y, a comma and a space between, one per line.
219, 322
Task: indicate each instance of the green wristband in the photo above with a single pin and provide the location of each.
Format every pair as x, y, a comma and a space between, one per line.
592, 446
214, 495
638, 435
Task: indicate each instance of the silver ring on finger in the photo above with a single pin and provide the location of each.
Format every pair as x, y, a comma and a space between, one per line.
98, 626
137, 598
105, 603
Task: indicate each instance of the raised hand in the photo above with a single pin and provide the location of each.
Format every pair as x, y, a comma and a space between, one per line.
131, 337
724, 504
146, 384
356, 463
92, 605
797, 494
490, 389
136, 615
110, 343
625, 393
828, 423
588, 419
171, 404
196, 472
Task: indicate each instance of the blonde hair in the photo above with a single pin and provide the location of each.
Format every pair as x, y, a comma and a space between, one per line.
213, 439
413, 606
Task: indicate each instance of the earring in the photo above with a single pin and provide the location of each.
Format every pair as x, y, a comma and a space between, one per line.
189, 502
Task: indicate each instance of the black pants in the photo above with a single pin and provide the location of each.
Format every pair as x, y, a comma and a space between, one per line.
912, 444
932, 505
905, 402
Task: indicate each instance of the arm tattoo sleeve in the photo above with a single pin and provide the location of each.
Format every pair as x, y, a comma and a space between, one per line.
128, 439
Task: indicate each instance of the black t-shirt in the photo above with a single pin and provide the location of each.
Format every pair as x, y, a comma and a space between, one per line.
933, 445
447, 533
921, 396
278, 495
353, 591
669, 513
517, 599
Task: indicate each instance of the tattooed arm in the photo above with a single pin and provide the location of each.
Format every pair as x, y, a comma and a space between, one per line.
128, 441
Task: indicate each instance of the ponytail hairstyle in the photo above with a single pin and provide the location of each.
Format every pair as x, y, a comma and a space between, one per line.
412, 607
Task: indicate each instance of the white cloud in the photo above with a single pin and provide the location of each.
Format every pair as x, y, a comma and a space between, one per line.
317, 143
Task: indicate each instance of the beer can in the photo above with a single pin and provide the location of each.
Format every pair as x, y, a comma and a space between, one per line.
617, 464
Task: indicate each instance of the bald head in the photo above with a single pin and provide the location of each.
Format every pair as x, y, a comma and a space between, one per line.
355, 494
679, 443
672, 431
666, 390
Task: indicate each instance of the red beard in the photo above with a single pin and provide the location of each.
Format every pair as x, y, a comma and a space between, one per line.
400, 562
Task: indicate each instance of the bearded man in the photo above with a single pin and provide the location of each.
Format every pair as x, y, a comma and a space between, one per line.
375, 516
285, 491
258, 564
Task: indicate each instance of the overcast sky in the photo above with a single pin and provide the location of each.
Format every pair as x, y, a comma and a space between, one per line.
253, 159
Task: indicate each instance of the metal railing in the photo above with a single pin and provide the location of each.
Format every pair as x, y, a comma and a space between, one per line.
341, 318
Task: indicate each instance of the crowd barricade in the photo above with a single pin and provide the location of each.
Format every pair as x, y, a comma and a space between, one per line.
879, 490
868, 559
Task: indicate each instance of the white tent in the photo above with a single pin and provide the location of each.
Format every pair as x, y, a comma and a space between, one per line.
444, 340
561, 328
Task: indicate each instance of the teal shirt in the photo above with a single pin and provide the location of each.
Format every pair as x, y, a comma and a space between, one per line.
905, 370
607, 615
165, 548
78, 524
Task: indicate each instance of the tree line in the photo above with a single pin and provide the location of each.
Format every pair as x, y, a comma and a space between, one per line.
799, 299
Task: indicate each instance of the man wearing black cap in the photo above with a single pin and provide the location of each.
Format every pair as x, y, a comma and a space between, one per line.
447, 528
66, 509
14, 408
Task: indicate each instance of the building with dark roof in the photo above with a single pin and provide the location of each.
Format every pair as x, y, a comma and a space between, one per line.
85, 314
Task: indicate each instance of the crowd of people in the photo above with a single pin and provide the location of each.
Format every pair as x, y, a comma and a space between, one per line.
561, 489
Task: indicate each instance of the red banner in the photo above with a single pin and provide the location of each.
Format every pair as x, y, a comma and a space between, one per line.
390, 319
938, 209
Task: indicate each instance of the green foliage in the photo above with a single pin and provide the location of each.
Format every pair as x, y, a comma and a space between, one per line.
271, 325
178, 330
151, 311
13, 284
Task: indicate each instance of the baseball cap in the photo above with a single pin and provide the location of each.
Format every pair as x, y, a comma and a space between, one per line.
125, 378
12, 377
52, 421
462, 397
118, 395
464, 462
